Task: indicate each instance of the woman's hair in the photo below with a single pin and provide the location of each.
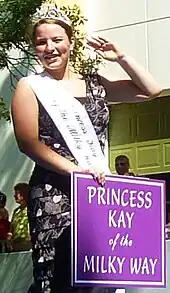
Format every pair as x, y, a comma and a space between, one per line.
68, 29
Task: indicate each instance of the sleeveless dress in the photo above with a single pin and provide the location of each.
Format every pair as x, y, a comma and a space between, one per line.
49, 203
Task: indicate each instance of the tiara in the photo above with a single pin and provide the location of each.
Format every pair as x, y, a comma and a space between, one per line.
50, 11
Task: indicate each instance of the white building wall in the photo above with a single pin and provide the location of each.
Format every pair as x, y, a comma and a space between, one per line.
140, 27
14, 167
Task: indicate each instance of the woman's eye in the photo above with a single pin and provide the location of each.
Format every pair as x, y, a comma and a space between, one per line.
40, 43
57, 40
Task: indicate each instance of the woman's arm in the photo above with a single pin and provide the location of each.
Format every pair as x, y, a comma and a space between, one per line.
140, 77
141, 85
25, 120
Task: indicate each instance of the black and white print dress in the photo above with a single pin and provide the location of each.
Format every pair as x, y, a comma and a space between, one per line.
49, 203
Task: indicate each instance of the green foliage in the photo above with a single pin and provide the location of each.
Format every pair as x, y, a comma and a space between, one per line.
80, 61
14, 19
4, 113
15, 16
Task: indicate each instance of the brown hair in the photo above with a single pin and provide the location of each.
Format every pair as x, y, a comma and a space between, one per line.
123, 158
68, 29
24, 188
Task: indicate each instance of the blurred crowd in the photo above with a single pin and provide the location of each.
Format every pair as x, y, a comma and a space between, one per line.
14, 233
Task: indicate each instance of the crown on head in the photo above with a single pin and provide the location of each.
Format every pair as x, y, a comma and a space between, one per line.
50, 11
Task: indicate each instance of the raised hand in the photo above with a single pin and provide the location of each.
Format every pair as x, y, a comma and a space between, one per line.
105, 49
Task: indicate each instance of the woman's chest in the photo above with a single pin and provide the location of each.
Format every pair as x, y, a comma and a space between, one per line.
77, 88
90, 93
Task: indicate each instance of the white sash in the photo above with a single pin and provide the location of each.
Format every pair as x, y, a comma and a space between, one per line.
72, 120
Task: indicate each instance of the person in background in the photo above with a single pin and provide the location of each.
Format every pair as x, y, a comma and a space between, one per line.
3, 211
4, 224
19, 233
122, 166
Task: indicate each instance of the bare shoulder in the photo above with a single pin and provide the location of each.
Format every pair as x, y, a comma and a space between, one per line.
23, 89
23, 96
24, 108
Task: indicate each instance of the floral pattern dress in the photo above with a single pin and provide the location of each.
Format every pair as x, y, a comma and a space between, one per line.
49, 203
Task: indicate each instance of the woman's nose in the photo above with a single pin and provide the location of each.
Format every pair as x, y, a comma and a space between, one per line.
50, 45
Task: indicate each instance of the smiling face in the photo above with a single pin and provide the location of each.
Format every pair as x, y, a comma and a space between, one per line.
52, 45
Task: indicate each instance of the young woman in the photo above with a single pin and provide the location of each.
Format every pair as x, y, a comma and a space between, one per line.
60, 121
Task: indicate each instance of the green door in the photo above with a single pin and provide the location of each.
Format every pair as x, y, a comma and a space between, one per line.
142, 132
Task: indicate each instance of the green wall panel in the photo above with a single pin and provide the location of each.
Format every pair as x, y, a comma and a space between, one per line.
166, 154
147, 121
142, 132
121, 126
147, 157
